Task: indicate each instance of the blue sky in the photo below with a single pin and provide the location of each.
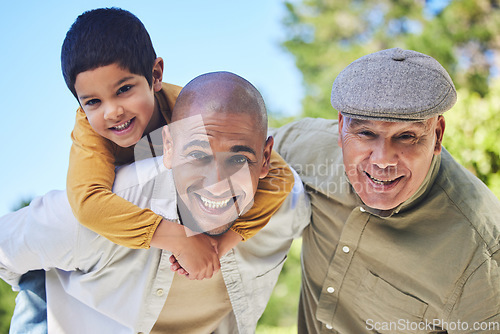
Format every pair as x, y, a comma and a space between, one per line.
193, 37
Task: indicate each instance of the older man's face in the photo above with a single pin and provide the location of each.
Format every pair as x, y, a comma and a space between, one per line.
386, 162
216, 160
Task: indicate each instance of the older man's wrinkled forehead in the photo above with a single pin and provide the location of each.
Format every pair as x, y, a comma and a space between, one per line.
221, 92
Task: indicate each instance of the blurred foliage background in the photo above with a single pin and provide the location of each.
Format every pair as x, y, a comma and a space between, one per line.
324, 36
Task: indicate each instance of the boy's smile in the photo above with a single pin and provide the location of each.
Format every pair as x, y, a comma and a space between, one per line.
119, 105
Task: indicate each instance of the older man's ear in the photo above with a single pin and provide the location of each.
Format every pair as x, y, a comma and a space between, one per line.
441, 124
168, 147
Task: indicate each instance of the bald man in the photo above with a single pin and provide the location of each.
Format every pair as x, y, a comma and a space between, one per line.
215, 151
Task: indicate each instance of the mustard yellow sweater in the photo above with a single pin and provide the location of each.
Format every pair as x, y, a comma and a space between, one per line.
92, 171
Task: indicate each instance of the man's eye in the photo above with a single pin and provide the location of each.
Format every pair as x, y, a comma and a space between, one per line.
92, 102
366, 133
238, 159
199, 156
407, 136
123, 89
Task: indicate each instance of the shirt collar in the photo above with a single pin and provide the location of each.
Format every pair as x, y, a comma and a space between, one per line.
164, 198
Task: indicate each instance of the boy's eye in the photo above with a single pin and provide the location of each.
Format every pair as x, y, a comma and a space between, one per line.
92, 102
123, 89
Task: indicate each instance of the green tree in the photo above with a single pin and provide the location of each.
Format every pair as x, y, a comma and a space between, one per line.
464, 37
7, 303
472, 134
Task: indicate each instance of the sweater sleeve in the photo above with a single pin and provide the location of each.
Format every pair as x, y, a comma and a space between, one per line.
271, 193
90, 180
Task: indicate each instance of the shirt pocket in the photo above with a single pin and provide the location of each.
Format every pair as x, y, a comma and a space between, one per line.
387, 309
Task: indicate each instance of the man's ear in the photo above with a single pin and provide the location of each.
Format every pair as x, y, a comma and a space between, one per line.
157, 74
168, 147
266, 163
441, 124
341, 124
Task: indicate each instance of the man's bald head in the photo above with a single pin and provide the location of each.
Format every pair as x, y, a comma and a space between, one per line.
222, 92
217, 149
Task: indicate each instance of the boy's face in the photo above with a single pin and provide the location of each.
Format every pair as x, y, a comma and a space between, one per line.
216, 160
119, 105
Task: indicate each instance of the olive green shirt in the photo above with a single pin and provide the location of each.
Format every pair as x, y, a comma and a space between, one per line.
430, 265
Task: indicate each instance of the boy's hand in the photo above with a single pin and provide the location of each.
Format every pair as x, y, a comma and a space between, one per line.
197, 257
175, 266
195, 253
225, 241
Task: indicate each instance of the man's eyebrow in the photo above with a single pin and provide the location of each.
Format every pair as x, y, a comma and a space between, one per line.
197, 143
243, 148
354, 122
206, 144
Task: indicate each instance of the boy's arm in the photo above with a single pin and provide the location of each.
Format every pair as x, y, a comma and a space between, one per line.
271, 192
89, 186
90, 179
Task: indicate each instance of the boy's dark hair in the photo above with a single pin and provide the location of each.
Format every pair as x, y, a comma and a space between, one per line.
103, 37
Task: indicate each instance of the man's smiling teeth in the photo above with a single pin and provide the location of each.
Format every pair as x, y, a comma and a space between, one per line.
123, 126
381, 182
214, 204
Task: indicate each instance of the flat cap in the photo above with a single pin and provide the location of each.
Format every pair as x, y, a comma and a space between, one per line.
393, 85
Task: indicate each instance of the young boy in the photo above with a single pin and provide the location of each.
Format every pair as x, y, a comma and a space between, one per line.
110, 66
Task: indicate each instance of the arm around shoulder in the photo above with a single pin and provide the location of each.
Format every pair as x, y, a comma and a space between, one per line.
271, 192
90, 180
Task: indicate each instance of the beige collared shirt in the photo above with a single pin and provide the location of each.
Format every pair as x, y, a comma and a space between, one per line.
96, 286
430, 266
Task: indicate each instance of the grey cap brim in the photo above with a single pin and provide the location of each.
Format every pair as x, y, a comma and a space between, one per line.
393, 85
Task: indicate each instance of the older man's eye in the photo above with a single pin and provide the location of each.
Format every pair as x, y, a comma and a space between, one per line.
366, 133
407, 136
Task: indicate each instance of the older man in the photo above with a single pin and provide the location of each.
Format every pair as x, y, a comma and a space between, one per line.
402, 239
215, 151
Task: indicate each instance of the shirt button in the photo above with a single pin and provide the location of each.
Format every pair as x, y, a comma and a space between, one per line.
330, 289
345, 249
159, 292
329, 326
362, 209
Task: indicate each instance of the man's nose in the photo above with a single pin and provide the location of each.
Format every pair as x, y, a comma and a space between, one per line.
113, 112
384, 154
216, 180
